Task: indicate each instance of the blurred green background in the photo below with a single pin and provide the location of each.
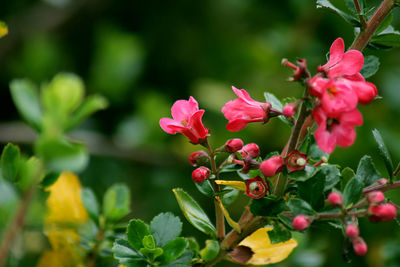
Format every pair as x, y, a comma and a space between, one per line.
144, 55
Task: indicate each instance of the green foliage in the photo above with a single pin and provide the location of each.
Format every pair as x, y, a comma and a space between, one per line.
230, 196
163, 234
347, 173
387, 40
31, 171
210, 251
279, 233
352, 192
193, 212
332, 176
174, 249
367, 172
384, 152
370, 67
91, 204
276, 104
136, 231
299, 206
347, 17
126, 255
312, 190
268, 206
303, 175
205, 188
116, 202
310, 147
10, 162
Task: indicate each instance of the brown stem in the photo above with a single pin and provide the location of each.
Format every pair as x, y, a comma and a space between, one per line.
373, 23
382, 187
16, 224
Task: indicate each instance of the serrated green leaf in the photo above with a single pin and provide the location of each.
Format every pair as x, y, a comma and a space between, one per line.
193, 212
267, 206
384, 152
332, 176
26, 98
90, 202
312, 190
116, 202
347, 173
136, 231
367, 172
174, 249
303, 175
370, 67
387, 39
210, 251
348, 18
10, 162
205, 188
352, 192
163, 234
299, 206
125, 254
279, 234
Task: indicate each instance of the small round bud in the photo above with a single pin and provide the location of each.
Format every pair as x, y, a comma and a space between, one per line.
295, 161
289, 110
201, 174
335, 199
382, 212
301, 222
233, 145
271, 166
256, 187
251, 150
376, 197
198, 158
382, 181
359, 246
352, 230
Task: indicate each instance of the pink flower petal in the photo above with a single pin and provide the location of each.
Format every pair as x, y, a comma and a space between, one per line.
338, 98
350, 64
197, 127
345, 135
335, 52
317, 85
366, 91
352, 118
170, 126
325, 140
182, 109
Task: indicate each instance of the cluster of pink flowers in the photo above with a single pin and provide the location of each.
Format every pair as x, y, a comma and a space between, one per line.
339, 87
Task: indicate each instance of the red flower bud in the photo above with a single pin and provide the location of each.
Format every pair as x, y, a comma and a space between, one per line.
251, 149
382, 212
198, 158
376, 197
289, 110
382, 181
295, 161
201, 174
233, 145
352, 230
335, 199
359, 246
271, 166
301, 222
256, 187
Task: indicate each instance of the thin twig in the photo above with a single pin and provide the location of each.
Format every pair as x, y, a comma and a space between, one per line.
360, 15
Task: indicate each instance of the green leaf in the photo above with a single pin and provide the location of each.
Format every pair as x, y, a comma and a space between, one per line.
229, 197
62, 155
90, 202
371, 66
182, 261
193, 212
148, 242
347, 173
26, 98
303, 175
352, 192
125, 254
385, 23
10, 162
332, 176
279, 234
50, 178
367, 172
91, 105
231, 168
348, 18
310, 147
174, 249
163, 234
31, 171
276, 104
299, 206
205, 188
387, 39
152, 253
267, 206
312, 190
116, 202
384, 152
136, 231
210, 251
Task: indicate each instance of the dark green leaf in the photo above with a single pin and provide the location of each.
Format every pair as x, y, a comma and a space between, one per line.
387, 39
367, 172
125, 254
26, 98
151, 253
116, 202
332, 176
385, 23
348, 18
347, 173
193, 212
182, 261
384, 152
312, 190
303, 175
163, 234
371, 66
279, 234
210, 251
267, 206
136, 231
90, 202
276, 104
50, 178
205, 188
352, 192
231, 168
229, 197
10, 162
174, 249
299, 206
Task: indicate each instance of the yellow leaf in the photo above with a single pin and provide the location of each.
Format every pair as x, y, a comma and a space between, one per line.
264, 251
235, 184
3, 29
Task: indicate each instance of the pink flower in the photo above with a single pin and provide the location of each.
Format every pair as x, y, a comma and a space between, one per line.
295, 161
352, 230
271, 166
376, 197
201, 174
289, 110
359, 246
233, 145
338, 130
186, 120
335, 199
252, 150
198, 158
382, 212
244, 110
256, 187
301, 222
